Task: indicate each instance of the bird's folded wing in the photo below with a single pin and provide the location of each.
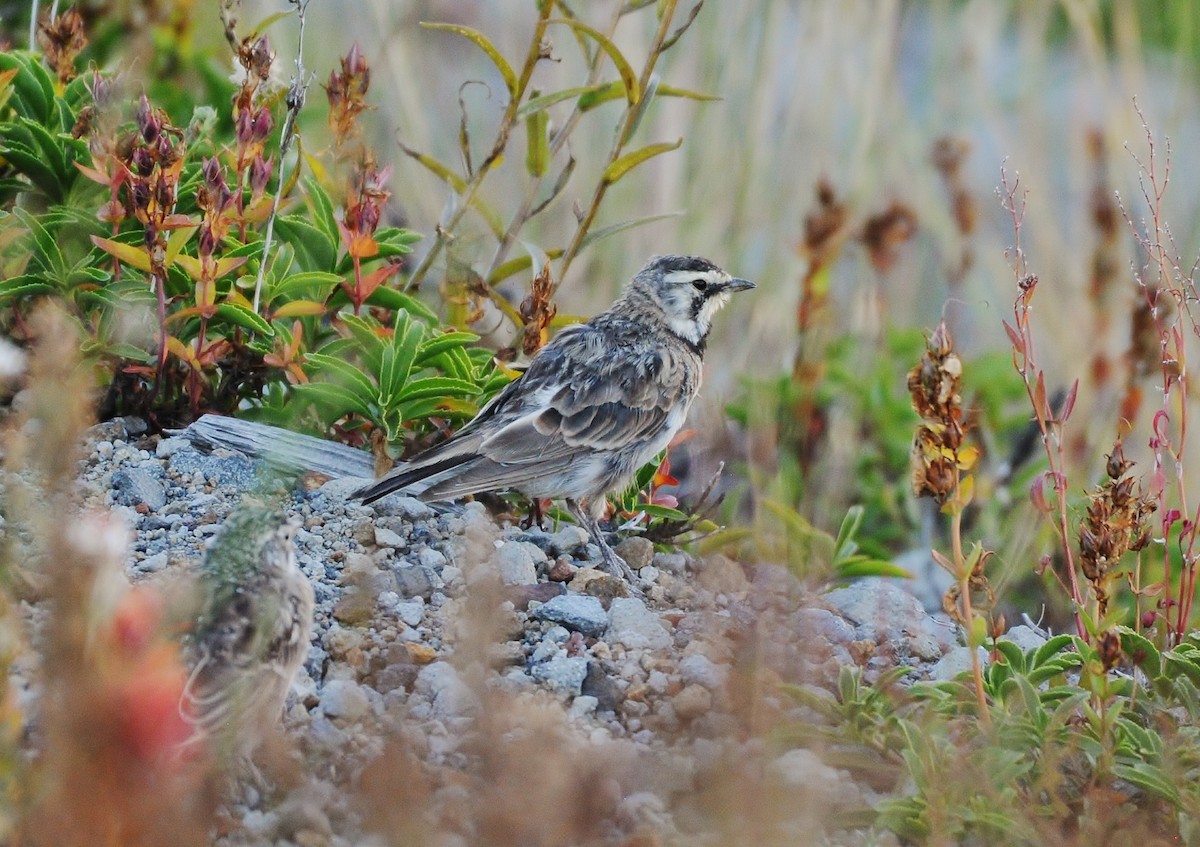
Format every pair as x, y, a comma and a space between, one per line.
577, 419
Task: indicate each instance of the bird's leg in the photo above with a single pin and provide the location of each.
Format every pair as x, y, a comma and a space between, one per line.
613, 563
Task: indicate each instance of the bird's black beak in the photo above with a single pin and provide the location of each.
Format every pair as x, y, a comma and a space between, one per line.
736, 284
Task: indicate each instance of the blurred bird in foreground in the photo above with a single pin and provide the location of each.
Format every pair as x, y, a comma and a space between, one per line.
251, 635
597, 403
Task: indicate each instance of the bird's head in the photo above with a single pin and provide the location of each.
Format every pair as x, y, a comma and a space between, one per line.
689, 291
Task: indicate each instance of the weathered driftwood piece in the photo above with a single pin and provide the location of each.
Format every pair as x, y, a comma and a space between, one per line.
289, 451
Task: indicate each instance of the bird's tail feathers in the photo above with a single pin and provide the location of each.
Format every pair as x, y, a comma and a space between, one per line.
409, 477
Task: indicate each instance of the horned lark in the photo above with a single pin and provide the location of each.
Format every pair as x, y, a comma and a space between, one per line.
252, 632
595, 404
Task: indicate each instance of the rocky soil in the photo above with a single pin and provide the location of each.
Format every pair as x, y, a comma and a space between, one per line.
479, 659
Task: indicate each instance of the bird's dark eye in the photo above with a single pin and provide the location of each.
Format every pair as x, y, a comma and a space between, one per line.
700, 284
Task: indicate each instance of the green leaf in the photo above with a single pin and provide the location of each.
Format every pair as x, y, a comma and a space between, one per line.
398, 358
34, 167
544, 101
316, 284
130, 352
859, 567
1052, 647
634, 158
665, 90
246, 318
321, 209
436, 386
336, 398
628, 76
26, 285
350, 376
1013, 655
506, 72
53, 150
32, 87
315, 251
1150, 779
438, 344
371, 342
537, 146
600, 234
47, 254
1141, 651
398, 301
848, 529
394, 241
654, 510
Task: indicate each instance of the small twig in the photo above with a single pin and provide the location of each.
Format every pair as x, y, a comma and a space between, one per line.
33, 16
297, 92
561, 138
507, 121
628, 124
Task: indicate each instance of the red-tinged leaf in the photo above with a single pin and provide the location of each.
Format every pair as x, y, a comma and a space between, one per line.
176, 222
128, 254
682, 436
299, 308
182, 351
374, 279
942, 561
229, 264
193, 267
176, 242
1160, 438
93, 174
1069, 403
1039, 400
192, 312
1037, 494
1018, 343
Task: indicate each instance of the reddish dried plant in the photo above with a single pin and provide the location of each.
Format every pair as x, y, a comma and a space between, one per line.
940, 460
1116, 521
537, 311
62, 39
365, 203
938, 451
347, 92
884, 233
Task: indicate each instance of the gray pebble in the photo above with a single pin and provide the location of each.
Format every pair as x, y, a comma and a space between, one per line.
431, 558
411, 611
387, 538
153, 564
170, 446
632, 624
417, 581
133, 487
341, 698
564, 674
580, 612
515, 563
568, 539
955, 662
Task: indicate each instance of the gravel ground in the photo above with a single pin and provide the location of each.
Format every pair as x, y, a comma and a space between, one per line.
434, 628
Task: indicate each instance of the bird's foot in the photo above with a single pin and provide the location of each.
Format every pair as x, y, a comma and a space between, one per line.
619, 568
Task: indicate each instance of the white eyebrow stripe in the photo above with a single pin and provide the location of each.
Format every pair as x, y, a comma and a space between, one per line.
688, 276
